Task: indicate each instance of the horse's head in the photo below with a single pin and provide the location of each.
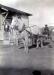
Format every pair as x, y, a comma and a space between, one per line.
14, 23
17, 23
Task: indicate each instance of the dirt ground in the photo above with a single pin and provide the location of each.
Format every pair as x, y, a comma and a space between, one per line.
41, 58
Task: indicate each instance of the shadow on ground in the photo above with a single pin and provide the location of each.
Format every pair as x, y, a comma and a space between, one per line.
15, 71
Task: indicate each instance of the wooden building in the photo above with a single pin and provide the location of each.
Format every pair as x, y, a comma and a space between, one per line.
6, 14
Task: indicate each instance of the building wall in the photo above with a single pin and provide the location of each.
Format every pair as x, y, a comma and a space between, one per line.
1, 27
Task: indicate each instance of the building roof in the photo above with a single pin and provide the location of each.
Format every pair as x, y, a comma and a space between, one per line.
6, 8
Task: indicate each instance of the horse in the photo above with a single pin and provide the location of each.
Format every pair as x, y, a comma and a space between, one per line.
22, 32
18, 26
36, 35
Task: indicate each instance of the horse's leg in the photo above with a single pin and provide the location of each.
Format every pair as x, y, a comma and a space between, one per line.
25, 42
16, 39
18, 43
41, 42
37, 43
10, 34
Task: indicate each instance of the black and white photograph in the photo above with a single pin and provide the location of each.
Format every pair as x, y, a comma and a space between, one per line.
26, 37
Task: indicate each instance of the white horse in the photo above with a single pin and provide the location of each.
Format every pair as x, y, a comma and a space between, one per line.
18, 26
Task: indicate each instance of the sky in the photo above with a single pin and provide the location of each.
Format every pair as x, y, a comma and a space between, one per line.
42, 10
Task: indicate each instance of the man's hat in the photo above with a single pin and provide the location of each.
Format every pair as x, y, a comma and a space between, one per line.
45, 24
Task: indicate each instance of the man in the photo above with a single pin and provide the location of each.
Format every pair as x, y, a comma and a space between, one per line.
46, 30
